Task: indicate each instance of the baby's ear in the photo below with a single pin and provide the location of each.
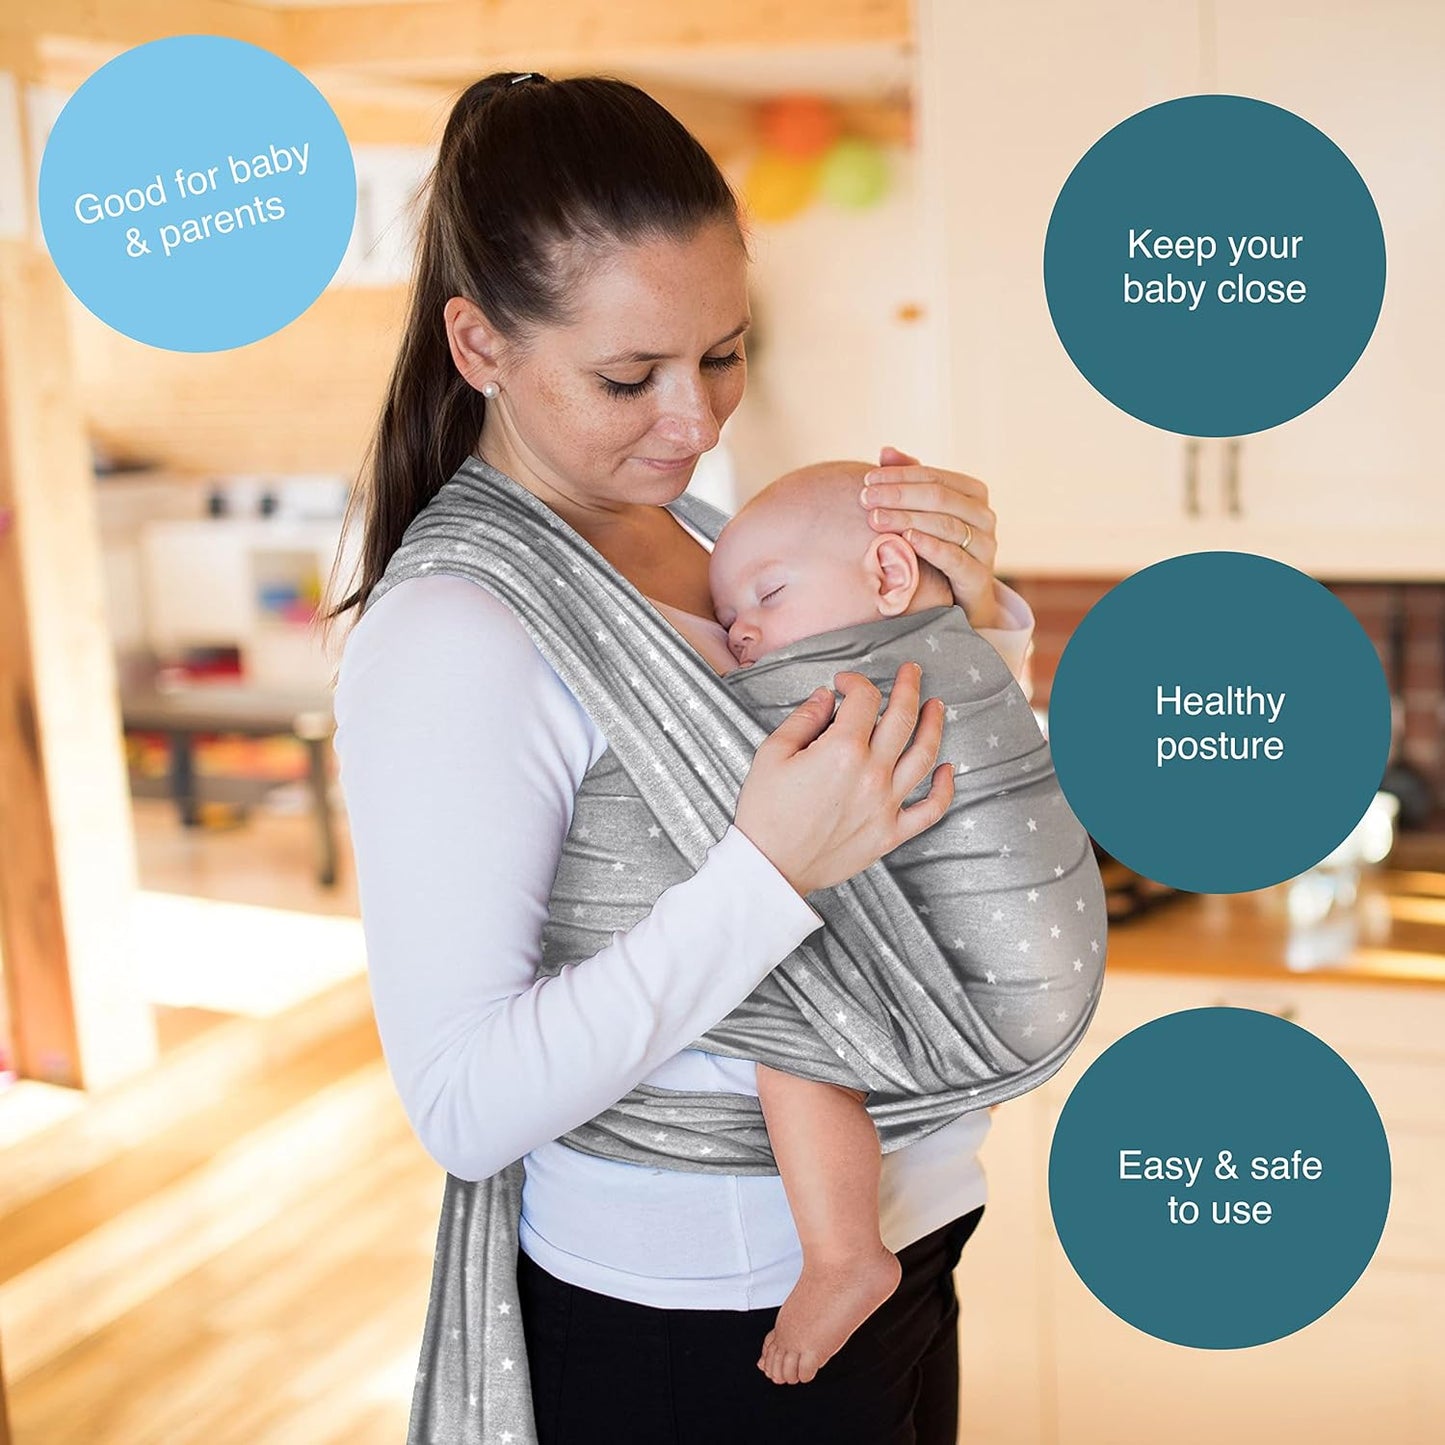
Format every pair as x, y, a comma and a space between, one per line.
893, 572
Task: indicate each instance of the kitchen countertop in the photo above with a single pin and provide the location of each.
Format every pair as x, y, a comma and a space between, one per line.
1393, 933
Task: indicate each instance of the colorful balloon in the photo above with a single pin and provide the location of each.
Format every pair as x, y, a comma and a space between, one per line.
801, 126
854, 173
779, 186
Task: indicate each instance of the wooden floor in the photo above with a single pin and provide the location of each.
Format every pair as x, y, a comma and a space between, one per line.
307, 1331
268, 860
277, 1244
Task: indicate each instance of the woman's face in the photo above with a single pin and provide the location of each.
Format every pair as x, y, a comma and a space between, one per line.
619, 404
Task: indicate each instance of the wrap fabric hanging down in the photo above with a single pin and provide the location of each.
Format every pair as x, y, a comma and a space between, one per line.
872, 1000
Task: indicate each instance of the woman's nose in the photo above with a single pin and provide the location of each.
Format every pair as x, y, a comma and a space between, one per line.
690, 422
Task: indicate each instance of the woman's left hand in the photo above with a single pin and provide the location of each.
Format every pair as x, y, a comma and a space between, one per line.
946, 518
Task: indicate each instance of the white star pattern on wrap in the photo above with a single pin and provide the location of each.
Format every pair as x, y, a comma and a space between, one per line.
1006, 860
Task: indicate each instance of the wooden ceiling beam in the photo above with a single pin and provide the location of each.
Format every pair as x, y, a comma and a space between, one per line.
378, 112
486, 35
124, 23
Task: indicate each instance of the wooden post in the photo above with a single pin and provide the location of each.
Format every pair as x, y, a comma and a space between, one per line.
67, 867
4, 1411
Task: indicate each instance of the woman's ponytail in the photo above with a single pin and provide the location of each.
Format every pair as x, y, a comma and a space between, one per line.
528, 169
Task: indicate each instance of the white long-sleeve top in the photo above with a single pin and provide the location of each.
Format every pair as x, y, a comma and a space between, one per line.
461, 753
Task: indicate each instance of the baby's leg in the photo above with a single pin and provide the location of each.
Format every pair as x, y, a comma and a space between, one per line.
827, 1153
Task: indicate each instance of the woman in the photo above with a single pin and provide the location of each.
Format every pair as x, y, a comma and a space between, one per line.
577, 322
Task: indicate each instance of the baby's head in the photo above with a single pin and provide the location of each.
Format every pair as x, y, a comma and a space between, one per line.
800, 558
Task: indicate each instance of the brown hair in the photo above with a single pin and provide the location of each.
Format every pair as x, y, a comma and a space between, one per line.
527, 168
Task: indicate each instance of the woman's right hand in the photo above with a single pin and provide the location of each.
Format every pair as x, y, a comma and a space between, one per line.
824, 796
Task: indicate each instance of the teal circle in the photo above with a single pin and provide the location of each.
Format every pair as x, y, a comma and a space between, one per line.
1207, 623
1214, 166
240, 124
1187, 1086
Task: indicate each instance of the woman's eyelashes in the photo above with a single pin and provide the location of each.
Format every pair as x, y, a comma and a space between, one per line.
636, 388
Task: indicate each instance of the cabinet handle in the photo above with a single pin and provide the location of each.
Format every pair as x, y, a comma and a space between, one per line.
1231, 476
1191, 476
1289, 1013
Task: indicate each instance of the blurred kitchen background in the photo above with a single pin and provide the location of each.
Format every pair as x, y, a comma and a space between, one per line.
214, 1221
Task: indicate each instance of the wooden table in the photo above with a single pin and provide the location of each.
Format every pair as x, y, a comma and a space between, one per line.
246, 711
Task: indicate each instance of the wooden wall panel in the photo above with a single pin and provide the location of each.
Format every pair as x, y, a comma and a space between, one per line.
301, 400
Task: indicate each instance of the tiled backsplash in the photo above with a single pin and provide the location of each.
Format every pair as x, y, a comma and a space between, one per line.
1060, 604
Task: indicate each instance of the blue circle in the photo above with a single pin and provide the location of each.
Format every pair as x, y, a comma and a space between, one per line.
1188, 1087
243, 240
1219, 722
1220, 169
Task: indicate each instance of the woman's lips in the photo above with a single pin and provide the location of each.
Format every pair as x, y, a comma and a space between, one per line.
659, 464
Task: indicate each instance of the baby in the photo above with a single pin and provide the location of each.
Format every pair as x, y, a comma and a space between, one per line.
800, 560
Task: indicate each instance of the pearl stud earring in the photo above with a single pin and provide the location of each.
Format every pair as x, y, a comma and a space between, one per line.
490, 389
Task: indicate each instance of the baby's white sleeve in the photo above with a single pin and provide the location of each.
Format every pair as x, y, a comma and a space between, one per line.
1014, 644
461, 752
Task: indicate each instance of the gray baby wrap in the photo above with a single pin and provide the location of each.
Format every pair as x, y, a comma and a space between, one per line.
959, 971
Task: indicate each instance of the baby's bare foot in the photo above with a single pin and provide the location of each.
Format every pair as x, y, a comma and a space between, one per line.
830, 1300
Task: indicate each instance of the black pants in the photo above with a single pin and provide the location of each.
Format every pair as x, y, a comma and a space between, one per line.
605, 1369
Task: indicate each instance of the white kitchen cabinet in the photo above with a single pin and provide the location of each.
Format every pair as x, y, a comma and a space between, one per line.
1365, 1370
1011, 95
1348, 489
1356, 1374
1006, 1383
204, 584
